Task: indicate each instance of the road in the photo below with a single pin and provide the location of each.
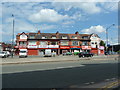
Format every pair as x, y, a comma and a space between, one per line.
57, 74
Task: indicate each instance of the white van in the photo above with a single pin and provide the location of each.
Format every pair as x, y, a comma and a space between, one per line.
48, 52
23, 53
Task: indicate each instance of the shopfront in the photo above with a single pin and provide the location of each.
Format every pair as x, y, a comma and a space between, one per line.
101, 50
86, 48
75, 49
41, 48
54, 48
64, 49
32, 50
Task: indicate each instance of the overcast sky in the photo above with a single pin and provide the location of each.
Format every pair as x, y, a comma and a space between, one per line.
65, 17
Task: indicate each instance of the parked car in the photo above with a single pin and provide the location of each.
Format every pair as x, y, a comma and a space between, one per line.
106, 53
85, 54
3, 54
23, 53
8, 53
67, 53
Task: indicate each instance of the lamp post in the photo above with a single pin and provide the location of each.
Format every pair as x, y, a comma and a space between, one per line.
13, 37
107, 34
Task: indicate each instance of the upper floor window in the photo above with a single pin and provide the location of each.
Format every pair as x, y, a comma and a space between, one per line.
22, 43
84, 43
44, 37
32, 42
43, 43
32, 36
23, 36
53, 43
64, 42
85, 37
75, 43
53, 37
64, 37
74, 37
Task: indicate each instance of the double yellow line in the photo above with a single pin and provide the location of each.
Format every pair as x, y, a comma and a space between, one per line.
116, 83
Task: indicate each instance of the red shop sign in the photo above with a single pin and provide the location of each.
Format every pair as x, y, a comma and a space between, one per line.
74, 46
64, 47
86, 47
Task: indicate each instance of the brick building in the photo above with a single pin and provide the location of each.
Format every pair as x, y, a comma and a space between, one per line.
60, 43
5, 46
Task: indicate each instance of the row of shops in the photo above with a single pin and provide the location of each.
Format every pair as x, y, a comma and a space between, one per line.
40, 49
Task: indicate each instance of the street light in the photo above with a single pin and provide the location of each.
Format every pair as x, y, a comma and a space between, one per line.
13, 37
107, 34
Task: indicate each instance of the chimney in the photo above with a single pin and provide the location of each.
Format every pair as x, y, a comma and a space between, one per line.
77, 32
39, 32
57, 32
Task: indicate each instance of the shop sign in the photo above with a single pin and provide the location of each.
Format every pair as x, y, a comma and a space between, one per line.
32, 46
78, 47
53, 46
64, 47
22, 46
43, 46
16, 46
86, 47
101, 47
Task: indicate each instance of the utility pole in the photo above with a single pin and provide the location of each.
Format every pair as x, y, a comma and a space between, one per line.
13, 37
112, 46
107, 35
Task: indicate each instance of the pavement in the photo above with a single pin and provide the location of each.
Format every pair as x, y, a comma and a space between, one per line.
60, 58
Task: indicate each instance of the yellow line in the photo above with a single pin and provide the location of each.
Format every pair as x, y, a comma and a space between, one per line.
109, 85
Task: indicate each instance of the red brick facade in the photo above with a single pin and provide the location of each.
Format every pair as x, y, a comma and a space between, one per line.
57, 42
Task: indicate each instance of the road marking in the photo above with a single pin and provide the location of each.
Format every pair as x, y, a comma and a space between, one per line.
110, 85
92, 82
87, 83
69, 67
107, 79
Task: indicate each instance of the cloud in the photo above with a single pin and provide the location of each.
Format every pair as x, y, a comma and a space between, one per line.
94, 29
47, 15
68, 22
47, 27
109, 6
86, 7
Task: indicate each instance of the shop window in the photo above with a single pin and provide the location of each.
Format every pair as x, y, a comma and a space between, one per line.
75, 43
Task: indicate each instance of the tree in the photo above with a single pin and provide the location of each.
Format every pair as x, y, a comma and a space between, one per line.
102, 43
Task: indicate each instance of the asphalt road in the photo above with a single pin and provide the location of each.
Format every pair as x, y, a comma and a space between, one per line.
77, 74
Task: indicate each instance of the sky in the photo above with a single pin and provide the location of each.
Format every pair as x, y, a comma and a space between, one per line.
50, 16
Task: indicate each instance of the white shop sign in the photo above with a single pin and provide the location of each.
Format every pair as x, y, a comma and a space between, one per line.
32, 46
101, 47
43, 46
53, 46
